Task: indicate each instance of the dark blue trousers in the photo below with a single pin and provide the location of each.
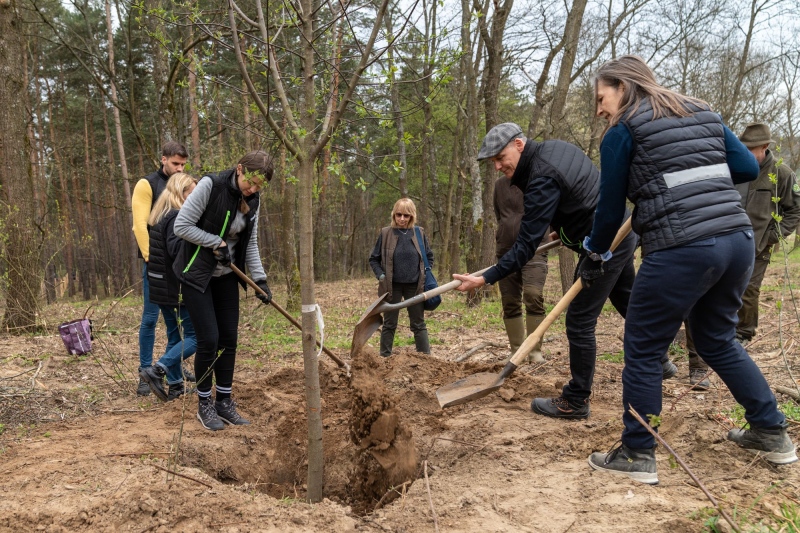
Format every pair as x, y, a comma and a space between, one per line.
581, 320
704, 282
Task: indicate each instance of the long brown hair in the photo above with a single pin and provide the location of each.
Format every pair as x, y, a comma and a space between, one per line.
639, 82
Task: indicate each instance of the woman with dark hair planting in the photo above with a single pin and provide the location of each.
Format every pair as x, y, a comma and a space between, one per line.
219, 223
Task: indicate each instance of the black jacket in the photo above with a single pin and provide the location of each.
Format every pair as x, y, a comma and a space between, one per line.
560, 186
164, 247
195, 264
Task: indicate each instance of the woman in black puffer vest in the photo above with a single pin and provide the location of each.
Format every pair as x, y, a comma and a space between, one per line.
677, 162
219, 224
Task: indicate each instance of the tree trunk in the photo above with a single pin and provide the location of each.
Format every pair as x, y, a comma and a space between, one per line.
470, 144
491, 89
194, 122
397, 112
123, 164
19, 235
556, 127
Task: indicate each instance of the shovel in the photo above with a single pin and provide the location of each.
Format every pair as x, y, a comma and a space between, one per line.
371, 320
479, 385
289, 317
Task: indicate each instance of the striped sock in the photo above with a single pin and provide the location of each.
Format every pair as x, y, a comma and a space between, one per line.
204, 394
223, 393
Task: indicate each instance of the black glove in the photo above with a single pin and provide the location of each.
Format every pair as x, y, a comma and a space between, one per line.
589, 270
262, 284
223, 256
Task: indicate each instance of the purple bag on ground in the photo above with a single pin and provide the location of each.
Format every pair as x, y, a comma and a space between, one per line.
77, 336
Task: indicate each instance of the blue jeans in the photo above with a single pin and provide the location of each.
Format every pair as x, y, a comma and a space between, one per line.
178, 348
147, 329
704, 282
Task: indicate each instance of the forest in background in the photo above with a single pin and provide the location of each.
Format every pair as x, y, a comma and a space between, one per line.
361, 102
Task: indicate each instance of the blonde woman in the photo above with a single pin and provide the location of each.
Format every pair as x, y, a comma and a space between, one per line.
397, 262
164, 290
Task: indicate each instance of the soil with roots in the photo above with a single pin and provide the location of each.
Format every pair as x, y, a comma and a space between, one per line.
79, 451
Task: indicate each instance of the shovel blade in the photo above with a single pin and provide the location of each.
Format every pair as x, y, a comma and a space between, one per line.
368, 324
469, 388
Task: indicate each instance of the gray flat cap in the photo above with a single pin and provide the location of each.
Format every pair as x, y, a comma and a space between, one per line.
497, 139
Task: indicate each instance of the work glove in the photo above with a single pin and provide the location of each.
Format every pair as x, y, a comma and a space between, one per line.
266, 298
589, 270
223, 256
381, 277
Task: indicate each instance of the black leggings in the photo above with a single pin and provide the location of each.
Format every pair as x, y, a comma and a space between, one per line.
215, 316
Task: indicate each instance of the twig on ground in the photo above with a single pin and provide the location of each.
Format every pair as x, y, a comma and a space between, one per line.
787, 391
430, 499
469, 353
680, 396
183, 476
430, 448
36, 375
31, 369
685, 467
390, 491
134, 454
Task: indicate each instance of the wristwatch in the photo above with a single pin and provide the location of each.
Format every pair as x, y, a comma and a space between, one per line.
594, 256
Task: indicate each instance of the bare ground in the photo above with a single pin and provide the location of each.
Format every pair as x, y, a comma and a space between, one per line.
80, 452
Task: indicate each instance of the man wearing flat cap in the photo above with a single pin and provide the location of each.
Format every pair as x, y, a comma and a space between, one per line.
757, 200
560, 186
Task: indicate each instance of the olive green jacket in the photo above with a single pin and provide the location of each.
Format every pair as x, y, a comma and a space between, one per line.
757, 200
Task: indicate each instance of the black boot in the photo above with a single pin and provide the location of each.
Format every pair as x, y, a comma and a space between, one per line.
154, 376
421, 342
226, 411
142, 389
560, 408
387, 340
207, 415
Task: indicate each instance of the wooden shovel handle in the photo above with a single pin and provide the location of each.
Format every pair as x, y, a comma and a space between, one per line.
282, 311
534, 338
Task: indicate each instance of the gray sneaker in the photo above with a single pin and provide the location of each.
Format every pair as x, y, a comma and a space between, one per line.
639, 465
143, 389
774, 445
207, 415
226, 411
697, 377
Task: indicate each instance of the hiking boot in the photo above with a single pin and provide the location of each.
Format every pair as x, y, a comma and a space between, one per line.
226, 410
639, 465
697, 377
177, 390
143, 389
669, 369
560, 408
774, 445
154, 377
188, 376
207, 415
